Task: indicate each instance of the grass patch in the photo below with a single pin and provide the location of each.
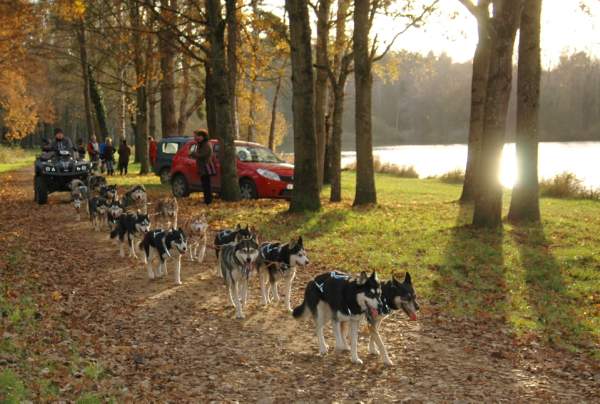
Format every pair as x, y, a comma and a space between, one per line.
12, 388
567, 185
541, 282
388, 168
452, 177
13, 158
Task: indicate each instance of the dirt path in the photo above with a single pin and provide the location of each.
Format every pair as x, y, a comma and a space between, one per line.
159, 342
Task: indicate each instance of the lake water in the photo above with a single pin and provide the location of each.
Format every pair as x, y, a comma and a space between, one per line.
580, 158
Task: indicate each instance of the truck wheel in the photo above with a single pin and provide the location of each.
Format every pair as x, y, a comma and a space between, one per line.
164, 176
179, 186
40, 190
248, 189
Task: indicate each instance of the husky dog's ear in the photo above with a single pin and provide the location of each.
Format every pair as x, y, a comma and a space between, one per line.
300, 242
362, 278
238, 226
374, 276
407, 279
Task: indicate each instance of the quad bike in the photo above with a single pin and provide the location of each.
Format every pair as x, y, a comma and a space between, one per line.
55, 170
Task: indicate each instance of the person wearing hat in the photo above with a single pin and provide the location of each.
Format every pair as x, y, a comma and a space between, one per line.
204, 165
61, 142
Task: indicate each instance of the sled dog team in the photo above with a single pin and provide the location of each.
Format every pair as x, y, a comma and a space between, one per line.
334, 298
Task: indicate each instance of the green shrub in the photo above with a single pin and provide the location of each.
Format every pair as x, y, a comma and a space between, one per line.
452, 177
567, 185
388, 168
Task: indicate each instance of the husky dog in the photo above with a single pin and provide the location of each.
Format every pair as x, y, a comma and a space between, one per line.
196, 229
113, 212
79, 193
166, 212
97, 206
337, 297
228, 236
95, 182
395, 295
130, 225
109, 192
280, 261
164, 244
236, 261
136, 197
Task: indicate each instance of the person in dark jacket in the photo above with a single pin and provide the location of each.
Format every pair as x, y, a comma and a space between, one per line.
109, 156
204, 165
124, 153
61, 142
80, 149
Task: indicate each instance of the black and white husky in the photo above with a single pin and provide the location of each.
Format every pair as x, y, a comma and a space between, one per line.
130, 225
236, 261
137, 198
395, 295
337, 297
228, 236
97, 207
165, 244
280, 262
113, 212
109, 192
95, 182
79, 194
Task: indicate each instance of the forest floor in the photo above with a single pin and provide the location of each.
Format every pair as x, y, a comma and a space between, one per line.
506, 316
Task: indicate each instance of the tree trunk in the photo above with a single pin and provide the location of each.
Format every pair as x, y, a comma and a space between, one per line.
274, 115
251, 135
141, 114
98, 101
479, 79
232, 44
365, 177
86, 81
123, 112
166, 40
230, 189
141, 126
321, 84
525, 203
336, 140
305, 196
152, 101
209, 99
488, 203
341, 66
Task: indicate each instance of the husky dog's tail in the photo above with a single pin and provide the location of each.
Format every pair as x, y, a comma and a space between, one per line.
114, 232
311, 299
299, 311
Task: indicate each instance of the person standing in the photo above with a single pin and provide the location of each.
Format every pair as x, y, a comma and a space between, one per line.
124, 153
93, 150
101, 148
152, 150
204, 163
80, 149
109, 156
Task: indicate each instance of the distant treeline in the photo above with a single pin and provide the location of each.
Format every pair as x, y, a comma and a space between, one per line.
425, 100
